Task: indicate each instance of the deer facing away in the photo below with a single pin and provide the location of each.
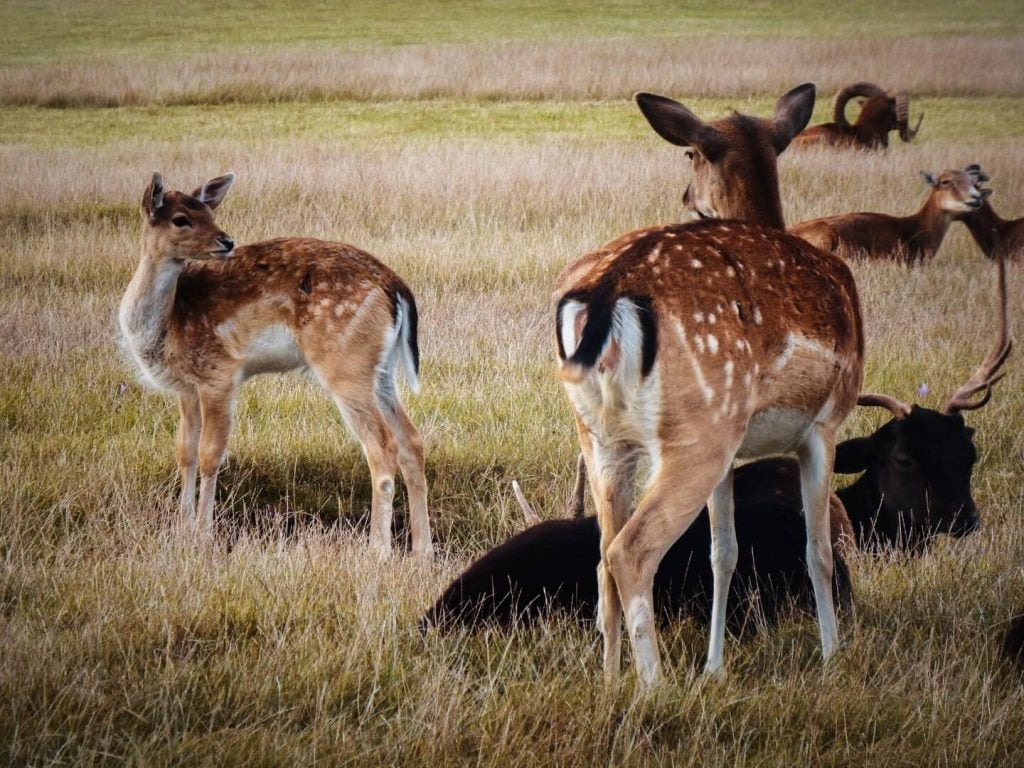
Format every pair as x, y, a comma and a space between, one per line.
915, 483
908, 239
201, 316
694, 345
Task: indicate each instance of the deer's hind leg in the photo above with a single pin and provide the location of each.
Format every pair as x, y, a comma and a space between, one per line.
350, 375
671, 503
816, 456
612, 484
411, 461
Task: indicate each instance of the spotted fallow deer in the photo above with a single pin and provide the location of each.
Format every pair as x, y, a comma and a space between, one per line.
201, 316
906, 239
693, 345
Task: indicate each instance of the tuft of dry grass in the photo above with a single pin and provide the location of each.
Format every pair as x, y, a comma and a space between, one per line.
122, 642
566, 69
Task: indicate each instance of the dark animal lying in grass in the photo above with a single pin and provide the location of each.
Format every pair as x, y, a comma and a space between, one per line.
916, 480
1013, 642
552, 565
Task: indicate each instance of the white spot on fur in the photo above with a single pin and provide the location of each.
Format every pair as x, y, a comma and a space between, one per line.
712, 344
757, 316
696, 263
698, 317
698, 372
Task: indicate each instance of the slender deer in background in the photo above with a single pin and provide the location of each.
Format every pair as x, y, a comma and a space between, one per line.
694, 345
201, 316
995, 236
880, 113
908, 239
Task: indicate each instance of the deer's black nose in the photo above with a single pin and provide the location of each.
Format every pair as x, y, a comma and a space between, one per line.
226, 243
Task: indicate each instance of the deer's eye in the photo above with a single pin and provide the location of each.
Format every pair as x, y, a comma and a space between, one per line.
181, 221
944, 182
903, 461
689, 154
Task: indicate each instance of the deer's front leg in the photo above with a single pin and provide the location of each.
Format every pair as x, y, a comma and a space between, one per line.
187, 453
216, 407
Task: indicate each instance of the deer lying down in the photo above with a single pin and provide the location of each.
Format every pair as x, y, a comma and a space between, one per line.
1013, 641
880, 113
907, 239
552, 565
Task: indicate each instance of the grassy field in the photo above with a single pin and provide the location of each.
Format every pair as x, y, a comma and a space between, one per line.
477, 150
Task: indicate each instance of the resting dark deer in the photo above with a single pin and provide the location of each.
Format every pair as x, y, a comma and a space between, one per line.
552, 565
908, 239
880, 113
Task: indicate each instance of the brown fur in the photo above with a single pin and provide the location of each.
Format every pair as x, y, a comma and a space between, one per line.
994, 235
908, 239
200, 319
870, 130
880, 114
751, 324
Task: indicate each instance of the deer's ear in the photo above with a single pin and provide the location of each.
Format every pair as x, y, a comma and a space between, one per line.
153, 197
678, 125
852, 456
985, 193
213, 192
929, 179
792, 113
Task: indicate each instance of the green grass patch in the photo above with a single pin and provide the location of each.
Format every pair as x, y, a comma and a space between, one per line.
51, 30
397, 122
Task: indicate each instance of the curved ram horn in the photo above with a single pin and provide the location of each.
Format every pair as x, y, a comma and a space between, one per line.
903, 117
867, 90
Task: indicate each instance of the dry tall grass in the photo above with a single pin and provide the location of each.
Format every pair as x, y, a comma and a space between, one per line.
585, 69
123, 643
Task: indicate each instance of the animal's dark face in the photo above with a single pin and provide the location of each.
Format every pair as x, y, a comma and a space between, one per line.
919, 471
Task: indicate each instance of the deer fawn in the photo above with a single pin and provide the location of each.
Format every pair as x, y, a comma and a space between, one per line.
201, 316
697, 344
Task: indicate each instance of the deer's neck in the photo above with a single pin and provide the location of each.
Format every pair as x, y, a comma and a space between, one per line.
986, 228
930, 225
146, 308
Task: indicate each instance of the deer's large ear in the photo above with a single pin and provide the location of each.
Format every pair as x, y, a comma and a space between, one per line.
852, 456
213, 192
678, 125
153, 197
792, 113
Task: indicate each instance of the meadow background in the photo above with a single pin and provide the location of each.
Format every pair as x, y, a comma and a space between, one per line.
476, 147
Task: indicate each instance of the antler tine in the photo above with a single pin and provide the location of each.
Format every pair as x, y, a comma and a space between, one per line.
531, 517
897, 408
988, 374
